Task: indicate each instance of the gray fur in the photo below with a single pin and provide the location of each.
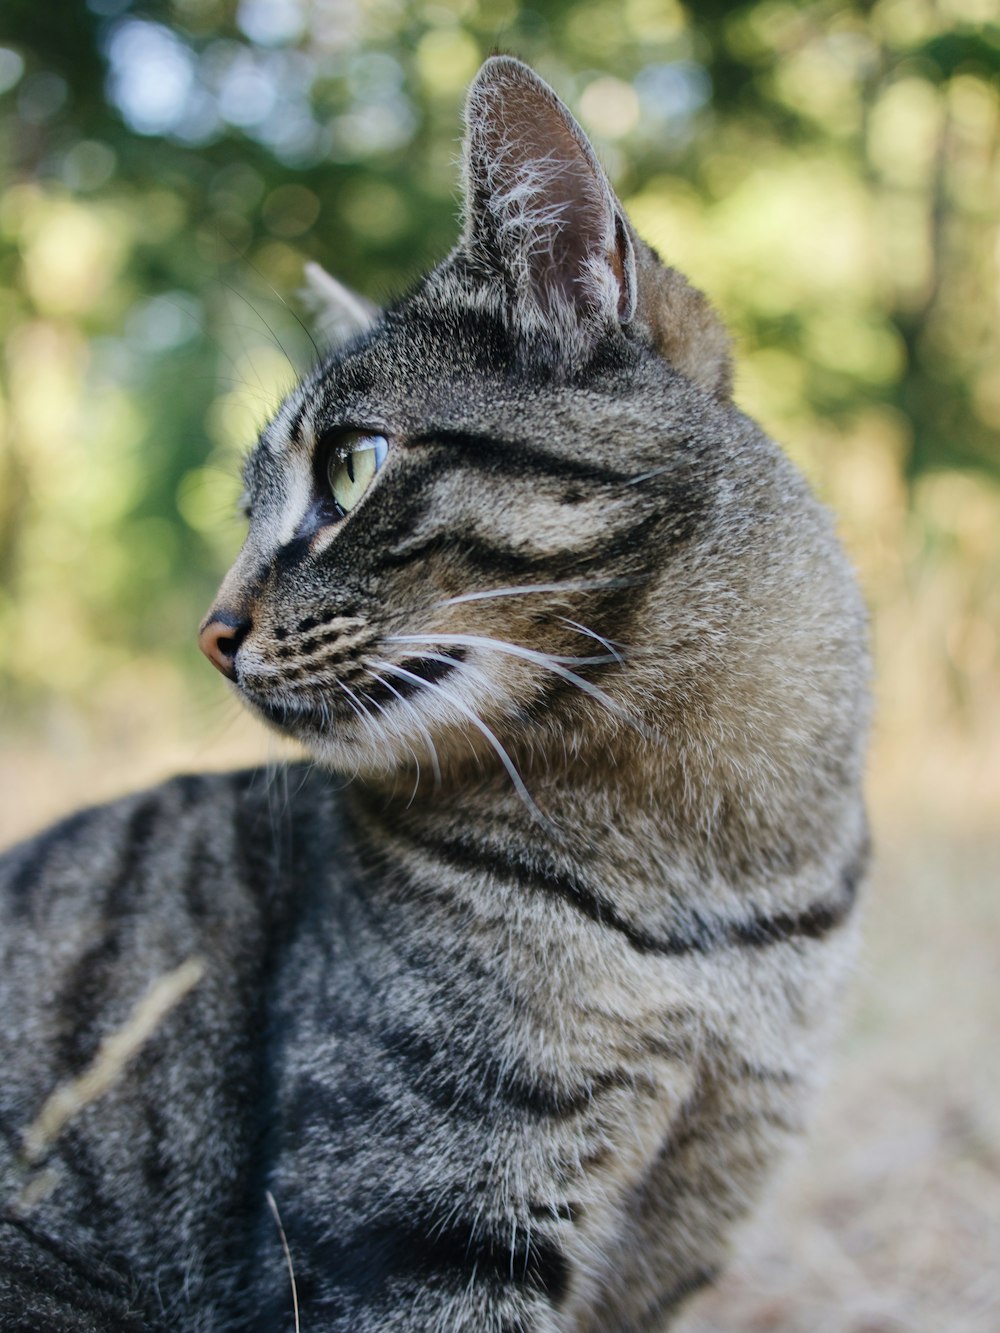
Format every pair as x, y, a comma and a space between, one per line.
513, 1025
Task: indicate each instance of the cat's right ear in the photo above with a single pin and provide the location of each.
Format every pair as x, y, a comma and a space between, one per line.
340, 314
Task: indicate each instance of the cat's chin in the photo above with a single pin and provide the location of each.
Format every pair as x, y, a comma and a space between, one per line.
310, 726
330, 738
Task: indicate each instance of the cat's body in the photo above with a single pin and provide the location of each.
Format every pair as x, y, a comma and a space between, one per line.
511, 1027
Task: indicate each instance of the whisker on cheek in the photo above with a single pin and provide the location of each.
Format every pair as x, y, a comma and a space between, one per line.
568, 585
473, 717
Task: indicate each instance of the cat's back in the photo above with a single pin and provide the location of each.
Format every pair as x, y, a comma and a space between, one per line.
138, 942
147, 876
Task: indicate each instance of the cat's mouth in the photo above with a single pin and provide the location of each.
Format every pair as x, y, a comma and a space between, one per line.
294, 717
326, 709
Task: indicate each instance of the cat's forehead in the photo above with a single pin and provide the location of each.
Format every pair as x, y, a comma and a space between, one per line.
351, 382
421, 355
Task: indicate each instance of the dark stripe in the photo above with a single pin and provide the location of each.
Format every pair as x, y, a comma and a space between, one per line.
151, 1152
38, 1296
469, 1081
423, 1243
484, 336
487, 453
703, 935
323, 640
31, 858
753, 1073
560, 1210
190, 787
304, 626
679, 508
287, 557
90, 1269
334, 1109
455, 1077
313, 662
652, 1317
597, 1158
463, 1080
710, 1128
83, 994
294, 430
282, 715
429, 669
198, 890
481, 555
615, 552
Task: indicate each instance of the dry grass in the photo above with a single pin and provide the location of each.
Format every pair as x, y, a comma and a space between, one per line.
116, 1050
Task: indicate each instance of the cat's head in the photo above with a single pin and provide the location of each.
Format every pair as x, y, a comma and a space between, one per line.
455, 517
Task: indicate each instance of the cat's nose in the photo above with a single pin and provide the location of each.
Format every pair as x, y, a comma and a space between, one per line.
220, 637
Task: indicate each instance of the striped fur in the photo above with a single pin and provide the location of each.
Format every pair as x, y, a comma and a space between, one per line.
512, 1025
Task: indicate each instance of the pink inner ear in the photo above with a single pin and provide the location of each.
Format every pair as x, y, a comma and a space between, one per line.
546, 195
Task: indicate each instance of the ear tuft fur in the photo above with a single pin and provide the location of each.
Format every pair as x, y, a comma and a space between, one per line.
340, 314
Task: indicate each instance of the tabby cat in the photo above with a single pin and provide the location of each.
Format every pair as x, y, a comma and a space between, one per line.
496, 1016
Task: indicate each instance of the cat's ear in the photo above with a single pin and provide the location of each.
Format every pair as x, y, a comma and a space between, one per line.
541, 214
340, 314
538, 206
679, 321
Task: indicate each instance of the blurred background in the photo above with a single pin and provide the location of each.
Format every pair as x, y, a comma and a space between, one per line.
829, 172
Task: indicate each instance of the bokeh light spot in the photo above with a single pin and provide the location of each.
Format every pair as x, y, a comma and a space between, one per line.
152, 75
290, 210
271, 22
609, 107
447, 59
11, 68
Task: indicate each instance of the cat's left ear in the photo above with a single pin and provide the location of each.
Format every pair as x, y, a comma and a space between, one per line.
340, 314
539, 207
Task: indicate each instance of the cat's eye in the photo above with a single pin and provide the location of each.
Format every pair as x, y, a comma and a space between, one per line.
353, 465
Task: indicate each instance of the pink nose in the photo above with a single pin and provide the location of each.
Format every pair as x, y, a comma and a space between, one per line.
219, 639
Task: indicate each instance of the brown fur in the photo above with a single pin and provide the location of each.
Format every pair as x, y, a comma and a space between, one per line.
514, 1027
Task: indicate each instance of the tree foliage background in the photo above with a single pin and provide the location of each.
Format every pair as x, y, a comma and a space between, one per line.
827, 171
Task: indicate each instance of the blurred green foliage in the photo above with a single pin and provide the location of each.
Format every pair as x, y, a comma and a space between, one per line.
828, 171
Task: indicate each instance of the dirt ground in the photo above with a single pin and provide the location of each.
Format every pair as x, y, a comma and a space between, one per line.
888, 1218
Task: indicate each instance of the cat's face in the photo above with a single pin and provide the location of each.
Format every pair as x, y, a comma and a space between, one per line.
450, 521
431, 534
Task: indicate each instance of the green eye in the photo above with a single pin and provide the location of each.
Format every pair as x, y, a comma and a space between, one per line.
353, 466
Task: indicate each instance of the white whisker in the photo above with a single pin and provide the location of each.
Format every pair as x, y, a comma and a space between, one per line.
435, 764
614, 649
569, 585
550, 663
604, 660
647, 476
367, 720
352, 701
480, 726
288, 1255
396, 732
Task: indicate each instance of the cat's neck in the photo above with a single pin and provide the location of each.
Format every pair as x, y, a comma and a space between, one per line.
566, 797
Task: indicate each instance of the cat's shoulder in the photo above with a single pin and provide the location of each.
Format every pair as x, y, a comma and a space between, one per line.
206, 831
